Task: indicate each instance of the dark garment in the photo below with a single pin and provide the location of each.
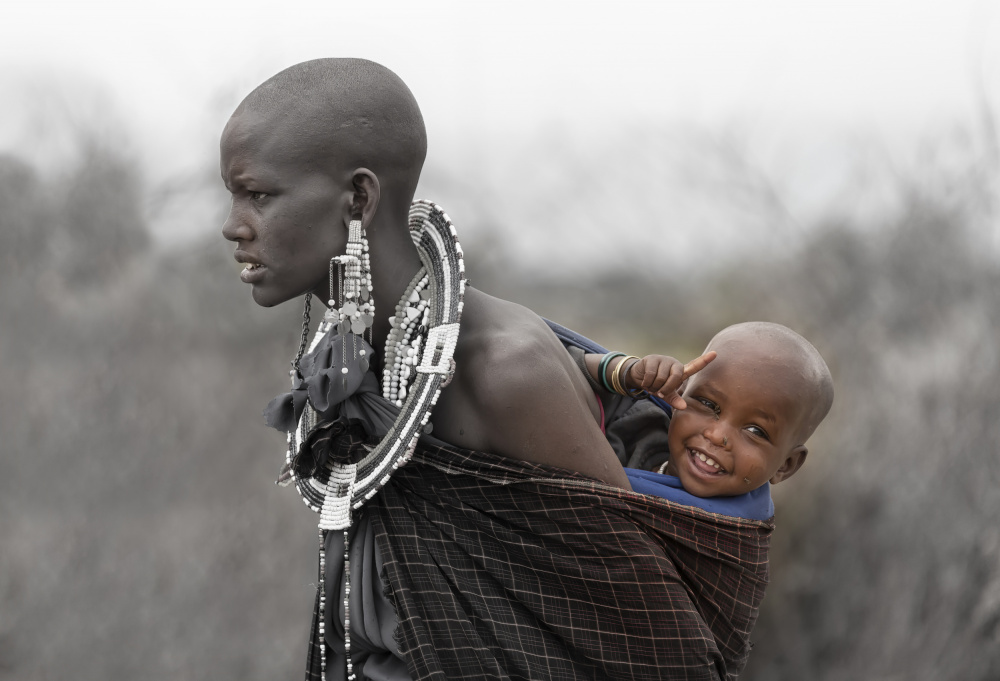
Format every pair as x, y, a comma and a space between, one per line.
500, 569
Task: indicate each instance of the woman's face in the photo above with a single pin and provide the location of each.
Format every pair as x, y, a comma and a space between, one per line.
287, 214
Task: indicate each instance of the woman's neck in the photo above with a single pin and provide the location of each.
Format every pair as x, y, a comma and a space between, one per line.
393, 266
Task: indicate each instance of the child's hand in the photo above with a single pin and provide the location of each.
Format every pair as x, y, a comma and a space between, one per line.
663, 376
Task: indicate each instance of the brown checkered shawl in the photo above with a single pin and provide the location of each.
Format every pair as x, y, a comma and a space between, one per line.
501, 569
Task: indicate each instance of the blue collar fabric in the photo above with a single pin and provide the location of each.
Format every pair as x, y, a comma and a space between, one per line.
755, 505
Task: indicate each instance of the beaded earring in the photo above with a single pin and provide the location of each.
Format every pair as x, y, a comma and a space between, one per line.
351, 306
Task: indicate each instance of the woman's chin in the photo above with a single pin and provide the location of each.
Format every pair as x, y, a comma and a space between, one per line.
265, 298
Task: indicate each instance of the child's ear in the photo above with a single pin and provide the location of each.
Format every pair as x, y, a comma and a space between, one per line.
792, 463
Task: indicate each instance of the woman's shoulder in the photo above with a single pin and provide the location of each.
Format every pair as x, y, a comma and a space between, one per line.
507, 346
518, 385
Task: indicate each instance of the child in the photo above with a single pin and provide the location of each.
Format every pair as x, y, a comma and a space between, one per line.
742, 413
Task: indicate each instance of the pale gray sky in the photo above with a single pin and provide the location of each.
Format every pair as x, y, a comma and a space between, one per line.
173, 70
515, 62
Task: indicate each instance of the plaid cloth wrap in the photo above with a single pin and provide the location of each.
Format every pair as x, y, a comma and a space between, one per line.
501, 569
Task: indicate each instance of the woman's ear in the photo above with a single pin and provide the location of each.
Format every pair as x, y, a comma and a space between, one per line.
364, 199
792, 463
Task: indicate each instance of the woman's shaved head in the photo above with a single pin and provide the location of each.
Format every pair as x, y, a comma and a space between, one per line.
345, 114
317, 146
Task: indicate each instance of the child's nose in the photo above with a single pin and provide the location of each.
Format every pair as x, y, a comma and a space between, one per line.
717, 432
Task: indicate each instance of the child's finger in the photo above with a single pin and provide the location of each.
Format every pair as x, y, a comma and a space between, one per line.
699, 363
645, 370
660, 378
676, 401
639, 373
673, 380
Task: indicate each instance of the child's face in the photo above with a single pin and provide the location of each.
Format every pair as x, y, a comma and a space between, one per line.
741, 425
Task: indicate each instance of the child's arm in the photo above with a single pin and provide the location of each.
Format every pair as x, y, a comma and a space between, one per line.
656, 374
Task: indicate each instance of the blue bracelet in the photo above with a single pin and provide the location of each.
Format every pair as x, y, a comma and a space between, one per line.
602, 369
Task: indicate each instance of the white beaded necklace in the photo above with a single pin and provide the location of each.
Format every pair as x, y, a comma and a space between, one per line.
402, 347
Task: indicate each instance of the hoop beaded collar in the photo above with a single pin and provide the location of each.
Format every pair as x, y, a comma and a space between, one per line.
431, 367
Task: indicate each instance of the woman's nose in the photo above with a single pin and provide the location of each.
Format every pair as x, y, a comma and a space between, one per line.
235, 228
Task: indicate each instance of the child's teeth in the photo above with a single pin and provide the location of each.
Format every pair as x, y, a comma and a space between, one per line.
707, 459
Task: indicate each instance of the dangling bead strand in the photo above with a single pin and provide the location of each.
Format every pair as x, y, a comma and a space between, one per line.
354, 305
322, 603
347, 607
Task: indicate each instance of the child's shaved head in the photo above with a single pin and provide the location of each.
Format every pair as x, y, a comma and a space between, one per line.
801, 361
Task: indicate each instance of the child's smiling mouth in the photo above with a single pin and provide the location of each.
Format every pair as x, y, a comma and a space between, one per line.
704, 463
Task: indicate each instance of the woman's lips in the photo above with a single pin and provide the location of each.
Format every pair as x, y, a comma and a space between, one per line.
253, 273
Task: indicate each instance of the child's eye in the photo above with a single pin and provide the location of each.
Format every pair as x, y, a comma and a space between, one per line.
709, 404
759, 432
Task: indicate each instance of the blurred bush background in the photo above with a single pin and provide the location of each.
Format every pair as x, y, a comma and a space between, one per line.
141, 534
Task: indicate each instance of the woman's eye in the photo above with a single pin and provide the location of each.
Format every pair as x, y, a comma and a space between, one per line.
759, 432
257, 196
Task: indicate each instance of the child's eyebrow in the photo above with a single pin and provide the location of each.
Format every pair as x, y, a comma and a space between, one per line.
764, 416
708, 390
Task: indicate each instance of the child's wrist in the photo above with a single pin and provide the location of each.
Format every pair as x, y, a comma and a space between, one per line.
618, 377
632, 386
602, 369
629, 381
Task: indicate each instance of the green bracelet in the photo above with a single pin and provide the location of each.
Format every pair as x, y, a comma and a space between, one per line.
604, 366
